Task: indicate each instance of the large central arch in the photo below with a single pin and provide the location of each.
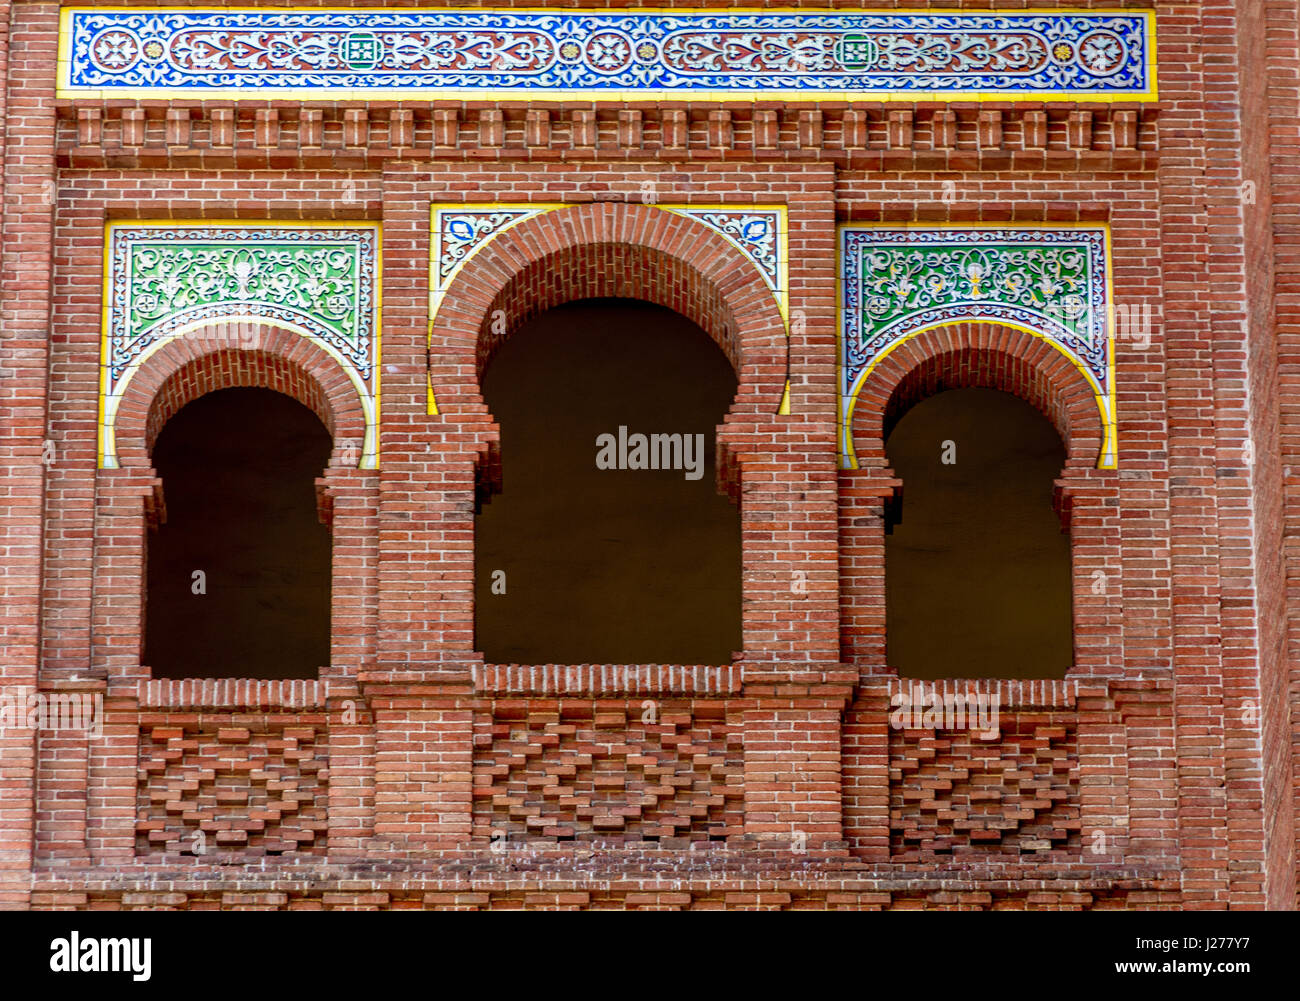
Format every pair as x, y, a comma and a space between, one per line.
608, 250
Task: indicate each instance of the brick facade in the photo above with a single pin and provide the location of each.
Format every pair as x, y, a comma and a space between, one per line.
1160, 773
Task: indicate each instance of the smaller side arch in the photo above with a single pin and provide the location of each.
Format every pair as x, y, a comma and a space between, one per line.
130, 498
226, 355
987, 355
983, 355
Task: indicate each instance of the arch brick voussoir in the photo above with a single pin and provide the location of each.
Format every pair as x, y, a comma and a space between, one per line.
978, 355
585, 251
226, 355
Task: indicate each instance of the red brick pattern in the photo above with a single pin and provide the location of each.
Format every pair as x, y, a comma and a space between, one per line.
616, 270
247, 788
870, 136
609, 775
1270, 136
677, 897
953, 792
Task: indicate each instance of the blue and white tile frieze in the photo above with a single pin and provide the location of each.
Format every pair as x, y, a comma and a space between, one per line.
617, 54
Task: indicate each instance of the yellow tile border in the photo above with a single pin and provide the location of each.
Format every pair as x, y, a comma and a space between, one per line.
438, 286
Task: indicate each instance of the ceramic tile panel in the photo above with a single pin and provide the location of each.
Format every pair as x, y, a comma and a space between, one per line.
617, 55
1051, 281
169, 280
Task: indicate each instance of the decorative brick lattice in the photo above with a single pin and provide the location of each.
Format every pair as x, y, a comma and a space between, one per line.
951, 792
252, 791
607, 777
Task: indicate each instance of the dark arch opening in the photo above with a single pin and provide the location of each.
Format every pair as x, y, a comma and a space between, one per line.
607, 566
238, 468
977, 567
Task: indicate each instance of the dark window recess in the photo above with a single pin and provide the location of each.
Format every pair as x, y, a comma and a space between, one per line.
977, 568
606, 566
238, 468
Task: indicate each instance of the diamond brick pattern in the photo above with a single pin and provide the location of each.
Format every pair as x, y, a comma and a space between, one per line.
606, 777
952, 793
249, 791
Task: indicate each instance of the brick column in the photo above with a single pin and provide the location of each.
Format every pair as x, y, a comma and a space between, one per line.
423, 763
792, 755
28, 58
863, 494
1206, 336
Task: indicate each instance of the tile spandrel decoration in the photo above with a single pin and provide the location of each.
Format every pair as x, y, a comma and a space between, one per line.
1053, 282
461, 231
171, 280
647, 54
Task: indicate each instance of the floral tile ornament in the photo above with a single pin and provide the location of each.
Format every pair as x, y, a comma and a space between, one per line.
1050, 281
633, 54
459, 231
165, 280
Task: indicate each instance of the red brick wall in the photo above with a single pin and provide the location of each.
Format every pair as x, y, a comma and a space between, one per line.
1271, 136
1160, 774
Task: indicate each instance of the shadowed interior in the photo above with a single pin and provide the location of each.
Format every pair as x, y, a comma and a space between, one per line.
606, 566
977, 569
238, 468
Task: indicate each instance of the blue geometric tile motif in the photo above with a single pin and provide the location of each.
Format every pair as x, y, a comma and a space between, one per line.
621, 55
459, 232
1052, 281
166, 281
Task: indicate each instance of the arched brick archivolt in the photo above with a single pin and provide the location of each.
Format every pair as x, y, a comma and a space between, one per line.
619, 250
633, 251
977, 355
608, 270
223, 356
990, 356
226, 355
